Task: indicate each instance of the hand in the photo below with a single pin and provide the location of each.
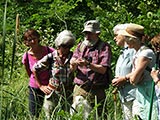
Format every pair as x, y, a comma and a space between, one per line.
45, 89
82, 62
73, 64
79, 62
154, 74
118, 81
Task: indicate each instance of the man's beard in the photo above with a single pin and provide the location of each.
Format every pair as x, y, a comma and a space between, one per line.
89, 43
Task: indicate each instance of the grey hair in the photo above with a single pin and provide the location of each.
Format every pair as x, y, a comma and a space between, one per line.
65, 38
120, 27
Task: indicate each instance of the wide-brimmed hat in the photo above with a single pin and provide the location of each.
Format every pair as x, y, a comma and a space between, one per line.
92, 26
132, 30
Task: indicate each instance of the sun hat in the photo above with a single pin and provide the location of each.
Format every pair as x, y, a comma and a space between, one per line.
92, 26
132, 30
65, 38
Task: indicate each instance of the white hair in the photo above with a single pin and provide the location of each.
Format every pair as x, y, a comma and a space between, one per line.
120, 27
65, 38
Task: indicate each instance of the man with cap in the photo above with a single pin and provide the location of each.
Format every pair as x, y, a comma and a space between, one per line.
144, 59
123, 67
91, 60
60, 83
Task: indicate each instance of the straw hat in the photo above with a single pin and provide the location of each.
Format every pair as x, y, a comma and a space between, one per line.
132, 30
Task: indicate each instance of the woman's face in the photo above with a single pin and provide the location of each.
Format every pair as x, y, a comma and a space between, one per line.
120, 40
130, 44
133, 44
64, 49
30, 41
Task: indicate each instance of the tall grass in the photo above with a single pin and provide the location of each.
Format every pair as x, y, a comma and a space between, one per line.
3, 56
14, 43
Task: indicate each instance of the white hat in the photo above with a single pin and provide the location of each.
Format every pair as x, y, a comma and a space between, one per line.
65, 38
92, 26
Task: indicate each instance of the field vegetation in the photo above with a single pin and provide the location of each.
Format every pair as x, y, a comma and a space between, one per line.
50, 17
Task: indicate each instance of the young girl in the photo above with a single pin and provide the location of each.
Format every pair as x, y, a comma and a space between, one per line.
36, 51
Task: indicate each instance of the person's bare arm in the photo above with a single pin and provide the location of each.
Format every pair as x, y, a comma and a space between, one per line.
98, 68
37, 68
82, 62
136, 76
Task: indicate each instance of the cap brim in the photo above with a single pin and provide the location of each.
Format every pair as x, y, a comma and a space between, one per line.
91, 30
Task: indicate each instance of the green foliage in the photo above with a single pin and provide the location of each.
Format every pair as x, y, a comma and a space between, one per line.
50, 17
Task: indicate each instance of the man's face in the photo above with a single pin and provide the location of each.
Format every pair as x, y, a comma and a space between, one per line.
91, 36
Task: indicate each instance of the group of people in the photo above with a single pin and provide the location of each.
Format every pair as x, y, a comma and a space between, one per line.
133, 76
81, 77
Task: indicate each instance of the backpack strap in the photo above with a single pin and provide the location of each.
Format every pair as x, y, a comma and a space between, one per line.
50, 61
27, 65
48, 50
50, 58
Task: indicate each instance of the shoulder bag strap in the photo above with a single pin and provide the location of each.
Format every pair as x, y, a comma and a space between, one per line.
27, 65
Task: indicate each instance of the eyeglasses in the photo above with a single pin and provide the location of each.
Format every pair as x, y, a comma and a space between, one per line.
28, 40
66, 46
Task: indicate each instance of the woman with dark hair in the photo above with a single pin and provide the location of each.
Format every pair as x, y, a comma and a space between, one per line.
155, 73
31, 39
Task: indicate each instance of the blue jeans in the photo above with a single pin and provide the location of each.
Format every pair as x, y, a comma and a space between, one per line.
36, 99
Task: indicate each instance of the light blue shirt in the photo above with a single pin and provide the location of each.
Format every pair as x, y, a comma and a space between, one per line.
158, 99
123, 67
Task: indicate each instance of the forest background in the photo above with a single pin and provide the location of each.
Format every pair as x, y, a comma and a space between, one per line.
50, 17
